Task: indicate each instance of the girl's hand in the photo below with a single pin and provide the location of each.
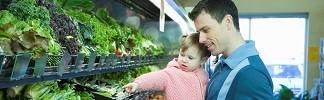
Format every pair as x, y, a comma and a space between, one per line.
130, 87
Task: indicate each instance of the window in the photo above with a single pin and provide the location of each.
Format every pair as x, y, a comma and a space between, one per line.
281, 44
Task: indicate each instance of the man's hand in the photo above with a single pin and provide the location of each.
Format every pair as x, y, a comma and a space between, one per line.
130, 87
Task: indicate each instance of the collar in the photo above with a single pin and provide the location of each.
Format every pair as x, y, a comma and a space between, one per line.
246, 50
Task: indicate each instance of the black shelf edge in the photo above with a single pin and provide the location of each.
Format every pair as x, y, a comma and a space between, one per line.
20, 69
11, 83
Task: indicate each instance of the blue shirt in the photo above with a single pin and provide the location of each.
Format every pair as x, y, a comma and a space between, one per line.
252, 82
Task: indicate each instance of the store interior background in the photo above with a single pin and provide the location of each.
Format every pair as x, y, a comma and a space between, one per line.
176, 24
312, 11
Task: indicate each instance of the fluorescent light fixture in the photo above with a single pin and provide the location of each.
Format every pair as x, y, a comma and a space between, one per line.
184, 26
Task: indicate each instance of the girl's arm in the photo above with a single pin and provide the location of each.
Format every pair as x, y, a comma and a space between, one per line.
152, 81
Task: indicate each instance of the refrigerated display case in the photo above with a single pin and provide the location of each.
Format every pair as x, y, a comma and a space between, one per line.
78, 42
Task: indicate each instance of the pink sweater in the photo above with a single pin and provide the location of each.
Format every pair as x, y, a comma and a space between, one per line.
176, 82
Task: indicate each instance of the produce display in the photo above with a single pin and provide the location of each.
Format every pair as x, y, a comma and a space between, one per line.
68, 26
57, 26
107, 86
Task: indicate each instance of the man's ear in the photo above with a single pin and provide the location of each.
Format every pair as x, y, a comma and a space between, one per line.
228, 20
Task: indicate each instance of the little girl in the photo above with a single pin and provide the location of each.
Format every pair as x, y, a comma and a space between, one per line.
183, 78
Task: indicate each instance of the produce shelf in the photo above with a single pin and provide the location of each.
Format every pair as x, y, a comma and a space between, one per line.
22, 69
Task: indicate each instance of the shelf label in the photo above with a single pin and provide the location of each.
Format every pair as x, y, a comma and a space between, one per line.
40, 66
63, 63
91, 61
102, 61
79, 62
20, 66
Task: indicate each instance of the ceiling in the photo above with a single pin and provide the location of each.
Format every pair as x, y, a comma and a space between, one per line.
188, 3
149, 10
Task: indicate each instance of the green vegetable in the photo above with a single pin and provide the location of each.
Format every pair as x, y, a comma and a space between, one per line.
35, 18
285, 93
86, 34
14, 91
8, 33
85, 5
22, 41
6, 17
27, 10
102, 33
85, 50
105, 94
85, 95
49, 96
43, 31
2, 97
50, 90
54, 48
38, 90
103, 16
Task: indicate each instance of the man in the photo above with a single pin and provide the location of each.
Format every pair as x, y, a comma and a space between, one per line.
241, 74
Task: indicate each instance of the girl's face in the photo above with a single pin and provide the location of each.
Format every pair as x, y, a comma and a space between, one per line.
190, 58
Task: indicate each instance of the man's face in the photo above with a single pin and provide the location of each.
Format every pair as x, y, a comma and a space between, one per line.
211, 33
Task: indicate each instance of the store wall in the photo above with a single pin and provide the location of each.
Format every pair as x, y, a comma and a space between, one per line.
315, 9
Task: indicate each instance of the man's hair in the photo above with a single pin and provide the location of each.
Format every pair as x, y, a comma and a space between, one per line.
193, 40
217, 9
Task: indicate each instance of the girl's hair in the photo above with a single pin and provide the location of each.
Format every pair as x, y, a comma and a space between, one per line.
193, 40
